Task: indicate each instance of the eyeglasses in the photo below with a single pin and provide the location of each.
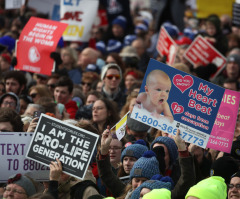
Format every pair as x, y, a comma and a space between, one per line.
97, 108
33, 95
115, 148
85, 83
112, 76
231, 186
8, 189
51, 85
11, 104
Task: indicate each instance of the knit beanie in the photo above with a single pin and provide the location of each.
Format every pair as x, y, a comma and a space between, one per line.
128, 39
213, 187
156, 182
234, 58
121, 21
135, 150
114, 46
111, 65
145, 167
101, 46
224, 167
158, 193
171, 146
23, 182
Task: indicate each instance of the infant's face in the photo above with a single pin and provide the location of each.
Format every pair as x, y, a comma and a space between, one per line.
158, 90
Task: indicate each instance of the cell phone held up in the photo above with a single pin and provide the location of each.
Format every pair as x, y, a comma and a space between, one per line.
36, 114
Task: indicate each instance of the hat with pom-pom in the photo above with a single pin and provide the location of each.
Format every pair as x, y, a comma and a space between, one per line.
114, 46
135, 150
145, 167
9, 42
158, 193
172, 30
101, 46
171, 146
121, 21
156, 182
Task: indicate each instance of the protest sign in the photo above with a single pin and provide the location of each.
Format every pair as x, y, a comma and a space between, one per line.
200, 51
38, 39
13, 149
101, 19
73, 146
166, 46
80, 16
223, 130
171, 99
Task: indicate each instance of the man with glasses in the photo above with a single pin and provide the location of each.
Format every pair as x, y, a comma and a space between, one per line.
10, 100
234, 186
111, 76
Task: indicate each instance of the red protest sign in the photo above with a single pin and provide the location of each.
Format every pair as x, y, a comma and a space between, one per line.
38, 39
166, 46
200, 51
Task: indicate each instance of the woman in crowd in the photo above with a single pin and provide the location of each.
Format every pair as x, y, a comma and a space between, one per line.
38, 91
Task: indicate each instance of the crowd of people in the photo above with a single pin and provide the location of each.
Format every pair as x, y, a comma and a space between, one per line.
97, 83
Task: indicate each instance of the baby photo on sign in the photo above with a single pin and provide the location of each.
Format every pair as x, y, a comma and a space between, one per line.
154, 99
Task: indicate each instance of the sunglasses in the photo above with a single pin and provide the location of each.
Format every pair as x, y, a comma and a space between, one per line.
51, 85
33, 95
112, 76
85, 83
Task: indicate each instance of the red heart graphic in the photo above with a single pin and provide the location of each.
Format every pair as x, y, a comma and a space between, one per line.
183, 83
177, 109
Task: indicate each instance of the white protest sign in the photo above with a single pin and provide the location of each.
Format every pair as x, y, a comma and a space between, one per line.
80, 16
73, 146
13, 148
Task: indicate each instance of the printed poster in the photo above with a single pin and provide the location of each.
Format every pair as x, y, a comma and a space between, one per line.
222, 134
73, 146
13, 149
38, 39
200, 51
171, 99
166, 46
80, 16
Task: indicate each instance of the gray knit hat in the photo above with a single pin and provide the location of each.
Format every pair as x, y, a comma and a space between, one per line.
111, 65
13, 95
23, 182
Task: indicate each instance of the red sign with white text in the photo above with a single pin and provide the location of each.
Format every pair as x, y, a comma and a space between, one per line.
201, 51
38, 39
166, 46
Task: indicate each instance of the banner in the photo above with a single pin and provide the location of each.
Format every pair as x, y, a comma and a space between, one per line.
73, 146
37, 40
221, 137
80, 16
171, 99
166, 46
200, 51
121, 126
13, 149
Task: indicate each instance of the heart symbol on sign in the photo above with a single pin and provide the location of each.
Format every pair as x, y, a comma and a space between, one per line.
183, 83
176, 108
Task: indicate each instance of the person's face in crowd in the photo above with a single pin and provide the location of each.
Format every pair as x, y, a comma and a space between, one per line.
112, 79
132, 103
91, 99
9, 102
143, 192
110, 59
99, 86
198, 153
30, 111
6, 127
4, 65
210, 29
139, 46
117, 30
232, 43
12, 85
14, 191
136, 182
129, 81
232, 69
99, 112
128, 163
234, 192
230, 86
158, 89
41, 80
2, 89
85, 58
65, 56
62, 95
23, 106
167, 157
86, 86
34, 95
115, 152
51, 84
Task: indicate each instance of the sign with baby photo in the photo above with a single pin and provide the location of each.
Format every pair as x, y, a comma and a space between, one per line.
73, 146
171, 99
